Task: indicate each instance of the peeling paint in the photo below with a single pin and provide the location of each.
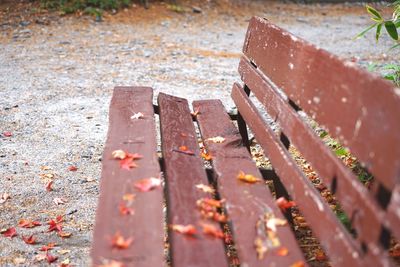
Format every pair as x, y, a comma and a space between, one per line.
291, 66
316, 99
344, 100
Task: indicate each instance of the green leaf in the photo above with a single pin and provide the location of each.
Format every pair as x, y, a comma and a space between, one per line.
374, 12
378, 32
395, 46
341, 151
391, 29
323, 134
365, 31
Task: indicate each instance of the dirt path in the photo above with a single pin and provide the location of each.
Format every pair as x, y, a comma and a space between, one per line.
56, 82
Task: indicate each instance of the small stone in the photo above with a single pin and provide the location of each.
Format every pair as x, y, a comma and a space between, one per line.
196, 9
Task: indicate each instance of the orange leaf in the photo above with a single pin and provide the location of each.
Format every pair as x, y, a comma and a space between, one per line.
184, 229
29, 240
127, 163
28, 224
129, 197
195, 113
206, 156
205, 188
72, 168
64, 234
283, 251
284, 204
320, 255
184, 150
298, 264
49, 186
248, 178
147, 184
220, 217
10, 232
118, 241
47, 247
209, 229
124, 210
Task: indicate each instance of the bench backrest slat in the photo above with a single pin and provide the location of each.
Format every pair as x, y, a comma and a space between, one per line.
183, 172
245, 203
134, 136
328, 89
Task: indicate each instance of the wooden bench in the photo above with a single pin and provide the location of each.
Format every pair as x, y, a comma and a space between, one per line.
156, 226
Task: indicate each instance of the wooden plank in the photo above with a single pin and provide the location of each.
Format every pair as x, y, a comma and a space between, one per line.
183, 172
245, 203
341, 249
328, 88
145, 226
352, 194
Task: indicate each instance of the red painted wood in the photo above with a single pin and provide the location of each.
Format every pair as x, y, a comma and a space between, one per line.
183, 172
245, 203
328, 88
352, 194
146, 225
333, 236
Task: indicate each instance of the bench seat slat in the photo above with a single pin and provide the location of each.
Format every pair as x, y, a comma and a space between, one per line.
245, 203
327, 88
135, 136
341, 249
351, 193
183, 172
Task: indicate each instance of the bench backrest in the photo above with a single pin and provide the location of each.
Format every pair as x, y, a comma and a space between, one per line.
360, 110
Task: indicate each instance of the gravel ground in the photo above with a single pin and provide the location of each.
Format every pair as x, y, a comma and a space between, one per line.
56, 82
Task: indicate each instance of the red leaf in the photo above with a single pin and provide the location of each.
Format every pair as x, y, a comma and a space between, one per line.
124, 210
28, 224
147, 184
10, 232
29, 240
55, 225
50, 258
72, 168
127, 163
283, 204
184, 229
7, 134
184, 150
209, 229
283, 251
47, 247
49, 186
118, 241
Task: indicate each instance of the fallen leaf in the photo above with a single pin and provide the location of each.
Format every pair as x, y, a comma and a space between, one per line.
184, 229
19, 260
47, 247
127, 163
118, 241
45, 168
298, 264
59, 200
184, 150
28, 223
283, 251
47, 176
29, 240
64, 251
55, 225
248, 178
261, 248
137, 116
147, 184
50, 258
320, 255
206, 156
64, 234
217, 139
65, 263
205, 188
7, 134
273, 222
284, 204
195, 113
129, 197
40, 257
210, 202
220, 217
10, 232
119, 154
124, 210
209, 229
4, 197
72, 168
49, 186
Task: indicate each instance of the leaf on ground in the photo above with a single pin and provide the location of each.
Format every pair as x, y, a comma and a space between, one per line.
205, 188
29, 240
273, 222
119, 242
59, 200
136, 116
211, 230
127, 163
283, 251
45, 168
40, 257
72, 168
64, 234
210, 202
49, 186
147, 184
4, 197
47, 247
129, 197
10, 232
206, 156
216, 139
195, 113
64, 251
284, 204
261, 248
28, 223
50, 258
184, 229
248, 178
125, 210
298, 264
7, 134
320, 255
119, 154
55, 225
